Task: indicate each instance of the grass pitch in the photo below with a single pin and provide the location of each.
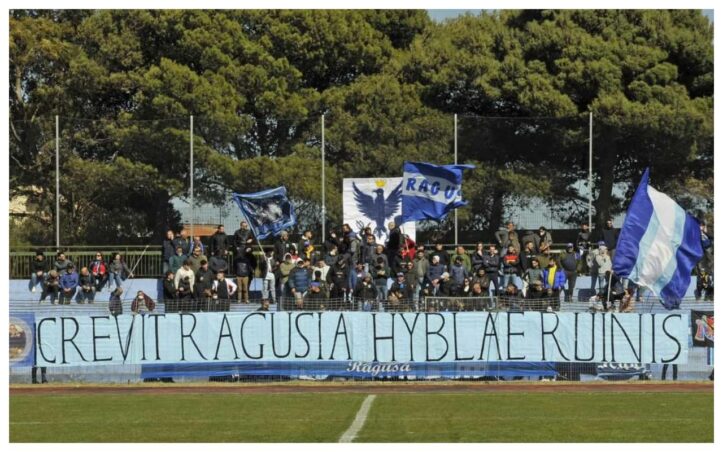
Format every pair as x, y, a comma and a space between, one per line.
323, 417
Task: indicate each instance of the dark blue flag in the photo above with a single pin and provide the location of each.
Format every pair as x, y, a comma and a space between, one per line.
268, 212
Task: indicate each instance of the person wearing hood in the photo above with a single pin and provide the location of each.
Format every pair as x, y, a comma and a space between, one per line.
338, 279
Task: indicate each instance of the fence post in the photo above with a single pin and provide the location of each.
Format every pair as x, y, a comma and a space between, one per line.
57, 181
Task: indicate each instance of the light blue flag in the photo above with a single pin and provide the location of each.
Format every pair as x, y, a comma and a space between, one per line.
659, 245
268, 212
430, 192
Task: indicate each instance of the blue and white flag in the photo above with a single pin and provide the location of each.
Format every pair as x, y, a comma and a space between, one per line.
430, 191
659, 245
268, 212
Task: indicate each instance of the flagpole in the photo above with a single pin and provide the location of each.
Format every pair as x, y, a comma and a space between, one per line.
456, 242
589, 180
323, 182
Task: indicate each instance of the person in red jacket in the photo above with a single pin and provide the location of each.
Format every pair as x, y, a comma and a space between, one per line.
98, 271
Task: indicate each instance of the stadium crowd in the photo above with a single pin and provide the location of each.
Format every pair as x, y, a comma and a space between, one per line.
354, 271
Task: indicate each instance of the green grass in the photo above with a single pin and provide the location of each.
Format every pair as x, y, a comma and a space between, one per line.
411, 417
182, 418
571, 417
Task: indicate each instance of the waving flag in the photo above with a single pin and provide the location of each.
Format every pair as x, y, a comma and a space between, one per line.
659, 245
268, 212
430, 191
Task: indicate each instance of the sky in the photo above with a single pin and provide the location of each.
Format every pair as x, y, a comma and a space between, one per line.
439, 15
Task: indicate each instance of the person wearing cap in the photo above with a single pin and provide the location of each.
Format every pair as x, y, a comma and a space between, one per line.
68, 284
569, 261
315, 298
400, 294
115, 303
39, 268
338, 279
542, 240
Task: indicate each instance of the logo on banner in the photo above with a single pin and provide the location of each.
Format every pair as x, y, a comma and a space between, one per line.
375, 369
21, 340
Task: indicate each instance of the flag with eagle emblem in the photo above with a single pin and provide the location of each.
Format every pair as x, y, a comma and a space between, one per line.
268, 212
374, 202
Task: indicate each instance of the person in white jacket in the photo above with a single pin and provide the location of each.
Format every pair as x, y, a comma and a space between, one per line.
601, 265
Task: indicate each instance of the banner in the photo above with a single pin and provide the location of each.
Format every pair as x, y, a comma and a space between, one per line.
702, 328
268, 212
362, 337
374, 202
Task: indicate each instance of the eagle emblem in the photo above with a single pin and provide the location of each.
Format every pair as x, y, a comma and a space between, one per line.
378, 208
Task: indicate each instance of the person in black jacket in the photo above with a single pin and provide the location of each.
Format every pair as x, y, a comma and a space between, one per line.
40, 267
244, 266
219, 262
242, 238
204, 280
219, 240
182, 241
394, 241
439, 251
282, 247
610, 237
170, 294
491, 264
168, 249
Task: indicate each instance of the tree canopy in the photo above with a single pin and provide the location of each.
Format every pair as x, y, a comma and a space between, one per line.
124, 83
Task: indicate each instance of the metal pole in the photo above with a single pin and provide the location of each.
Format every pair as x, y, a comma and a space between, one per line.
323, 183
57, 182
456, 241
191, 176
589, 181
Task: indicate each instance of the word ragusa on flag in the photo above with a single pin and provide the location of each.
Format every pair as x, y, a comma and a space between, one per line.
268, 212
430, 192
659, 244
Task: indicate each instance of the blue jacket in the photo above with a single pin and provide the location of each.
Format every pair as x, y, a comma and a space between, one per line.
560, 278
435, 271
69, 280
299, 279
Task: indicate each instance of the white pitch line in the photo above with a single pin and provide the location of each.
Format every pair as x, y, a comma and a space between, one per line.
361, 417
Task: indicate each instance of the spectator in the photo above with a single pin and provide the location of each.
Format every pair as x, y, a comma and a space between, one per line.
196, 258
526, 256
536, 297
542, 240
331, 256
242, 239
118, 270
223, 291
544, 257
366, 292
569, 260
706, 242
352, 247
68, 284
381, 276
553, 281
87, 288
219, 262
197, 243
338, 279
379, 252
532, 274
142, 303
282, 246
508, 237
400, 295
441, 253
184, 281
183, 241
583, 245
627, 303
420, 268
331, 242
447, 286
219, 240
529, 236
483, 281
510, 266
356, 275
265, 305
115, 304
244, 266
98, 272
600, 265
318, 278
610, 237
491, 263
314, 299
170, 293
177, 260
268, 278
367, 252
306, 247
299, 282
168, 249
408, 250
323, 268
613, 289
434, 275
704, 286
39, 269
51, 286
511, 298
285, 269
203, 281
459, 252
397, 263
394, 241
61, 262
480, 293
465, 287
458, 272
478, 257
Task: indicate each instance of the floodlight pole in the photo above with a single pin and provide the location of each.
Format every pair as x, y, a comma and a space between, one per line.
589, 181
57, 182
